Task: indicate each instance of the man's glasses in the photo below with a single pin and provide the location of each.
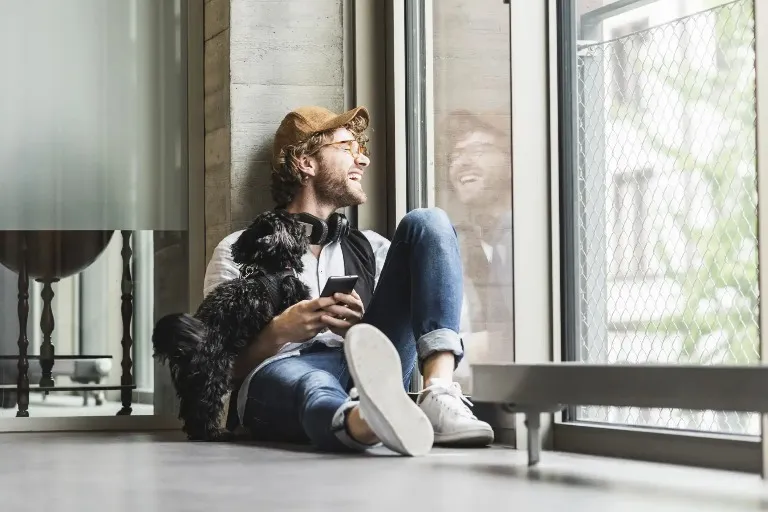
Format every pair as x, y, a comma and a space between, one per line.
352, 147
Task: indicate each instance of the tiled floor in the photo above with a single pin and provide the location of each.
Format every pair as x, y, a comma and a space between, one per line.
146, 473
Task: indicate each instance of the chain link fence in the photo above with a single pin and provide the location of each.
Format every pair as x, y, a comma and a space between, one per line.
667, 242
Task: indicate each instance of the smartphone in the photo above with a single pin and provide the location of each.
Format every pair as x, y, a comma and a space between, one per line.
339, 284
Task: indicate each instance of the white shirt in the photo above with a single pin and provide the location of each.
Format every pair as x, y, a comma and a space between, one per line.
316, 272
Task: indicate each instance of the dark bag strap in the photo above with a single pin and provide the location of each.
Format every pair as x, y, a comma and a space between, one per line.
271, 283
359, 259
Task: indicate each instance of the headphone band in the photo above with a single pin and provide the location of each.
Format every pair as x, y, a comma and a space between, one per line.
321, 232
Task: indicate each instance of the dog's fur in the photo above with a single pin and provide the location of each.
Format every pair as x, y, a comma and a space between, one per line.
200, 349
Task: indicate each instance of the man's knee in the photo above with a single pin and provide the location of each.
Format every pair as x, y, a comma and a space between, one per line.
321, 398
430, 220
318, 385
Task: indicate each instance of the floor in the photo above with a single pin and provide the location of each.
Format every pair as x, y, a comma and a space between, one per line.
146, 472
57, 405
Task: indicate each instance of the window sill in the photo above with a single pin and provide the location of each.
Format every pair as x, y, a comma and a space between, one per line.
731, 453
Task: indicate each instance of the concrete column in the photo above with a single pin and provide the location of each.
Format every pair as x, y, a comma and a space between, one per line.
262, 58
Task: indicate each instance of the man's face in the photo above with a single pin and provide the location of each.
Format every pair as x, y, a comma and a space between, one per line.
479, 170
340, 171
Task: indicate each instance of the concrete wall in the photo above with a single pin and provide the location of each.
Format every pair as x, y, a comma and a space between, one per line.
262, 58
217, 123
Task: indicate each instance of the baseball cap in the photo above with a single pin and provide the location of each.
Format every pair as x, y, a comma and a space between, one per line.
303, 122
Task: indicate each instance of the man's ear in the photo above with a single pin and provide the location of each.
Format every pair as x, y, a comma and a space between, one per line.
307, 165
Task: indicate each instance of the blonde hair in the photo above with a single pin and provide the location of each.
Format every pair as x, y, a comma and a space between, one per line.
287, 179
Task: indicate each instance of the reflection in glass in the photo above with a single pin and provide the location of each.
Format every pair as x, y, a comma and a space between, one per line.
473, 177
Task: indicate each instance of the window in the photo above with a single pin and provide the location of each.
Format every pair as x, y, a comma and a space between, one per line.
629, 230
627, 55
627, 129
665, 196
465, 90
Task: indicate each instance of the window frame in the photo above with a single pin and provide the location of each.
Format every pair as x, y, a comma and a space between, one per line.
542, 316
699, 449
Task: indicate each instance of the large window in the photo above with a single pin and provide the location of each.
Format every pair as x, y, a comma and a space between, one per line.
467, 115
613, 144
664, 195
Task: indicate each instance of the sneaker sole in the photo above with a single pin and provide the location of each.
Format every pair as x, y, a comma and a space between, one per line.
472, 438
374, 365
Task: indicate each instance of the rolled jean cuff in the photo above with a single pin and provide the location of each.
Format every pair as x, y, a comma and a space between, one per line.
440, 340
339, 428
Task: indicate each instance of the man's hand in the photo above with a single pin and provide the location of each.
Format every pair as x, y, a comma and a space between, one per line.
301, 321
297, 323
346, 311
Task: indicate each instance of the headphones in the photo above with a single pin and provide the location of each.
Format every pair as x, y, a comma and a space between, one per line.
321, 232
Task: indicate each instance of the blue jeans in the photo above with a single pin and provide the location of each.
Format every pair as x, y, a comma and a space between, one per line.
417, 304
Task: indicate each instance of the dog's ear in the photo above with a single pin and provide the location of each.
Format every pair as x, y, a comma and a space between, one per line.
274, 241
250, 241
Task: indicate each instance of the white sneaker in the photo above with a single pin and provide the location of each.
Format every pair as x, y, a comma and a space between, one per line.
452, 420
374, 365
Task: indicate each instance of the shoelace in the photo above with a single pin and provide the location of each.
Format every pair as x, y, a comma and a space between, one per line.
454, 390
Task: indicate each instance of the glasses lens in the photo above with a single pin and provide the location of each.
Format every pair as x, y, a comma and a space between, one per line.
353, 147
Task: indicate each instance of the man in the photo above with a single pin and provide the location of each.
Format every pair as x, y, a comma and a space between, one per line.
480, 181
334, 370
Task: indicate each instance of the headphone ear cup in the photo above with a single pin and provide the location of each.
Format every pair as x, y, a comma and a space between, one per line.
338, 227
343, 227
334, 223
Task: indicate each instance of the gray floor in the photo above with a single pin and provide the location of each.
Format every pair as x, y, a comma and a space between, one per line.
145, 473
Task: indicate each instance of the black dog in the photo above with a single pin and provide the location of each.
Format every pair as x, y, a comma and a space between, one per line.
201, 349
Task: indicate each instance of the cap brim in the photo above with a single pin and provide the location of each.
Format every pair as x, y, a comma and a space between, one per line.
346, 118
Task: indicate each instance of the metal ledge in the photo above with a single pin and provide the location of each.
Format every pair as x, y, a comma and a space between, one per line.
726, 388
534, 389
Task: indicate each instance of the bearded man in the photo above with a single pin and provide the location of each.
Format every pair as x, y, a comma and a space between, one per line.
334, 371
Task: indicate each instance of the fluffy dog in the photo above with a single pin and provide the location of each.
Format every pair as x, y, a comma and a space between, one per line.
200, 349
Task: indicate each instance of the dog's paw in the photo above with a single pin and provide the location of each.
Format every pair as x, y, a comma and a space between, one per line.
221, 436
216, 435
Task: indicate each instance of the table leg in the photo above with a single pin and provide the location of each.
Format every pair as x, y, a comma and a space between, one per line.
532, 424
22, 380
127, 312
47, 351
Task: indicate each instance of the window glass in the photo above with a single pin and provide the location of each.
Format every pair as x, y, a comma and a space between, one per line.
472, 176
664, 255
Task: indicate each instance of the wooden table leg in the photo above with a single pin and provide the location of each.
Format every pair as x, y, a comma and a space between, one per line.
22, 380
126, 380
47, 350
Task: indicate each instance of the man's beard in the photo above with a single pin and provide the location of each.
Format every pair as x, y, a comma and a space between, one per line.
337, 191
